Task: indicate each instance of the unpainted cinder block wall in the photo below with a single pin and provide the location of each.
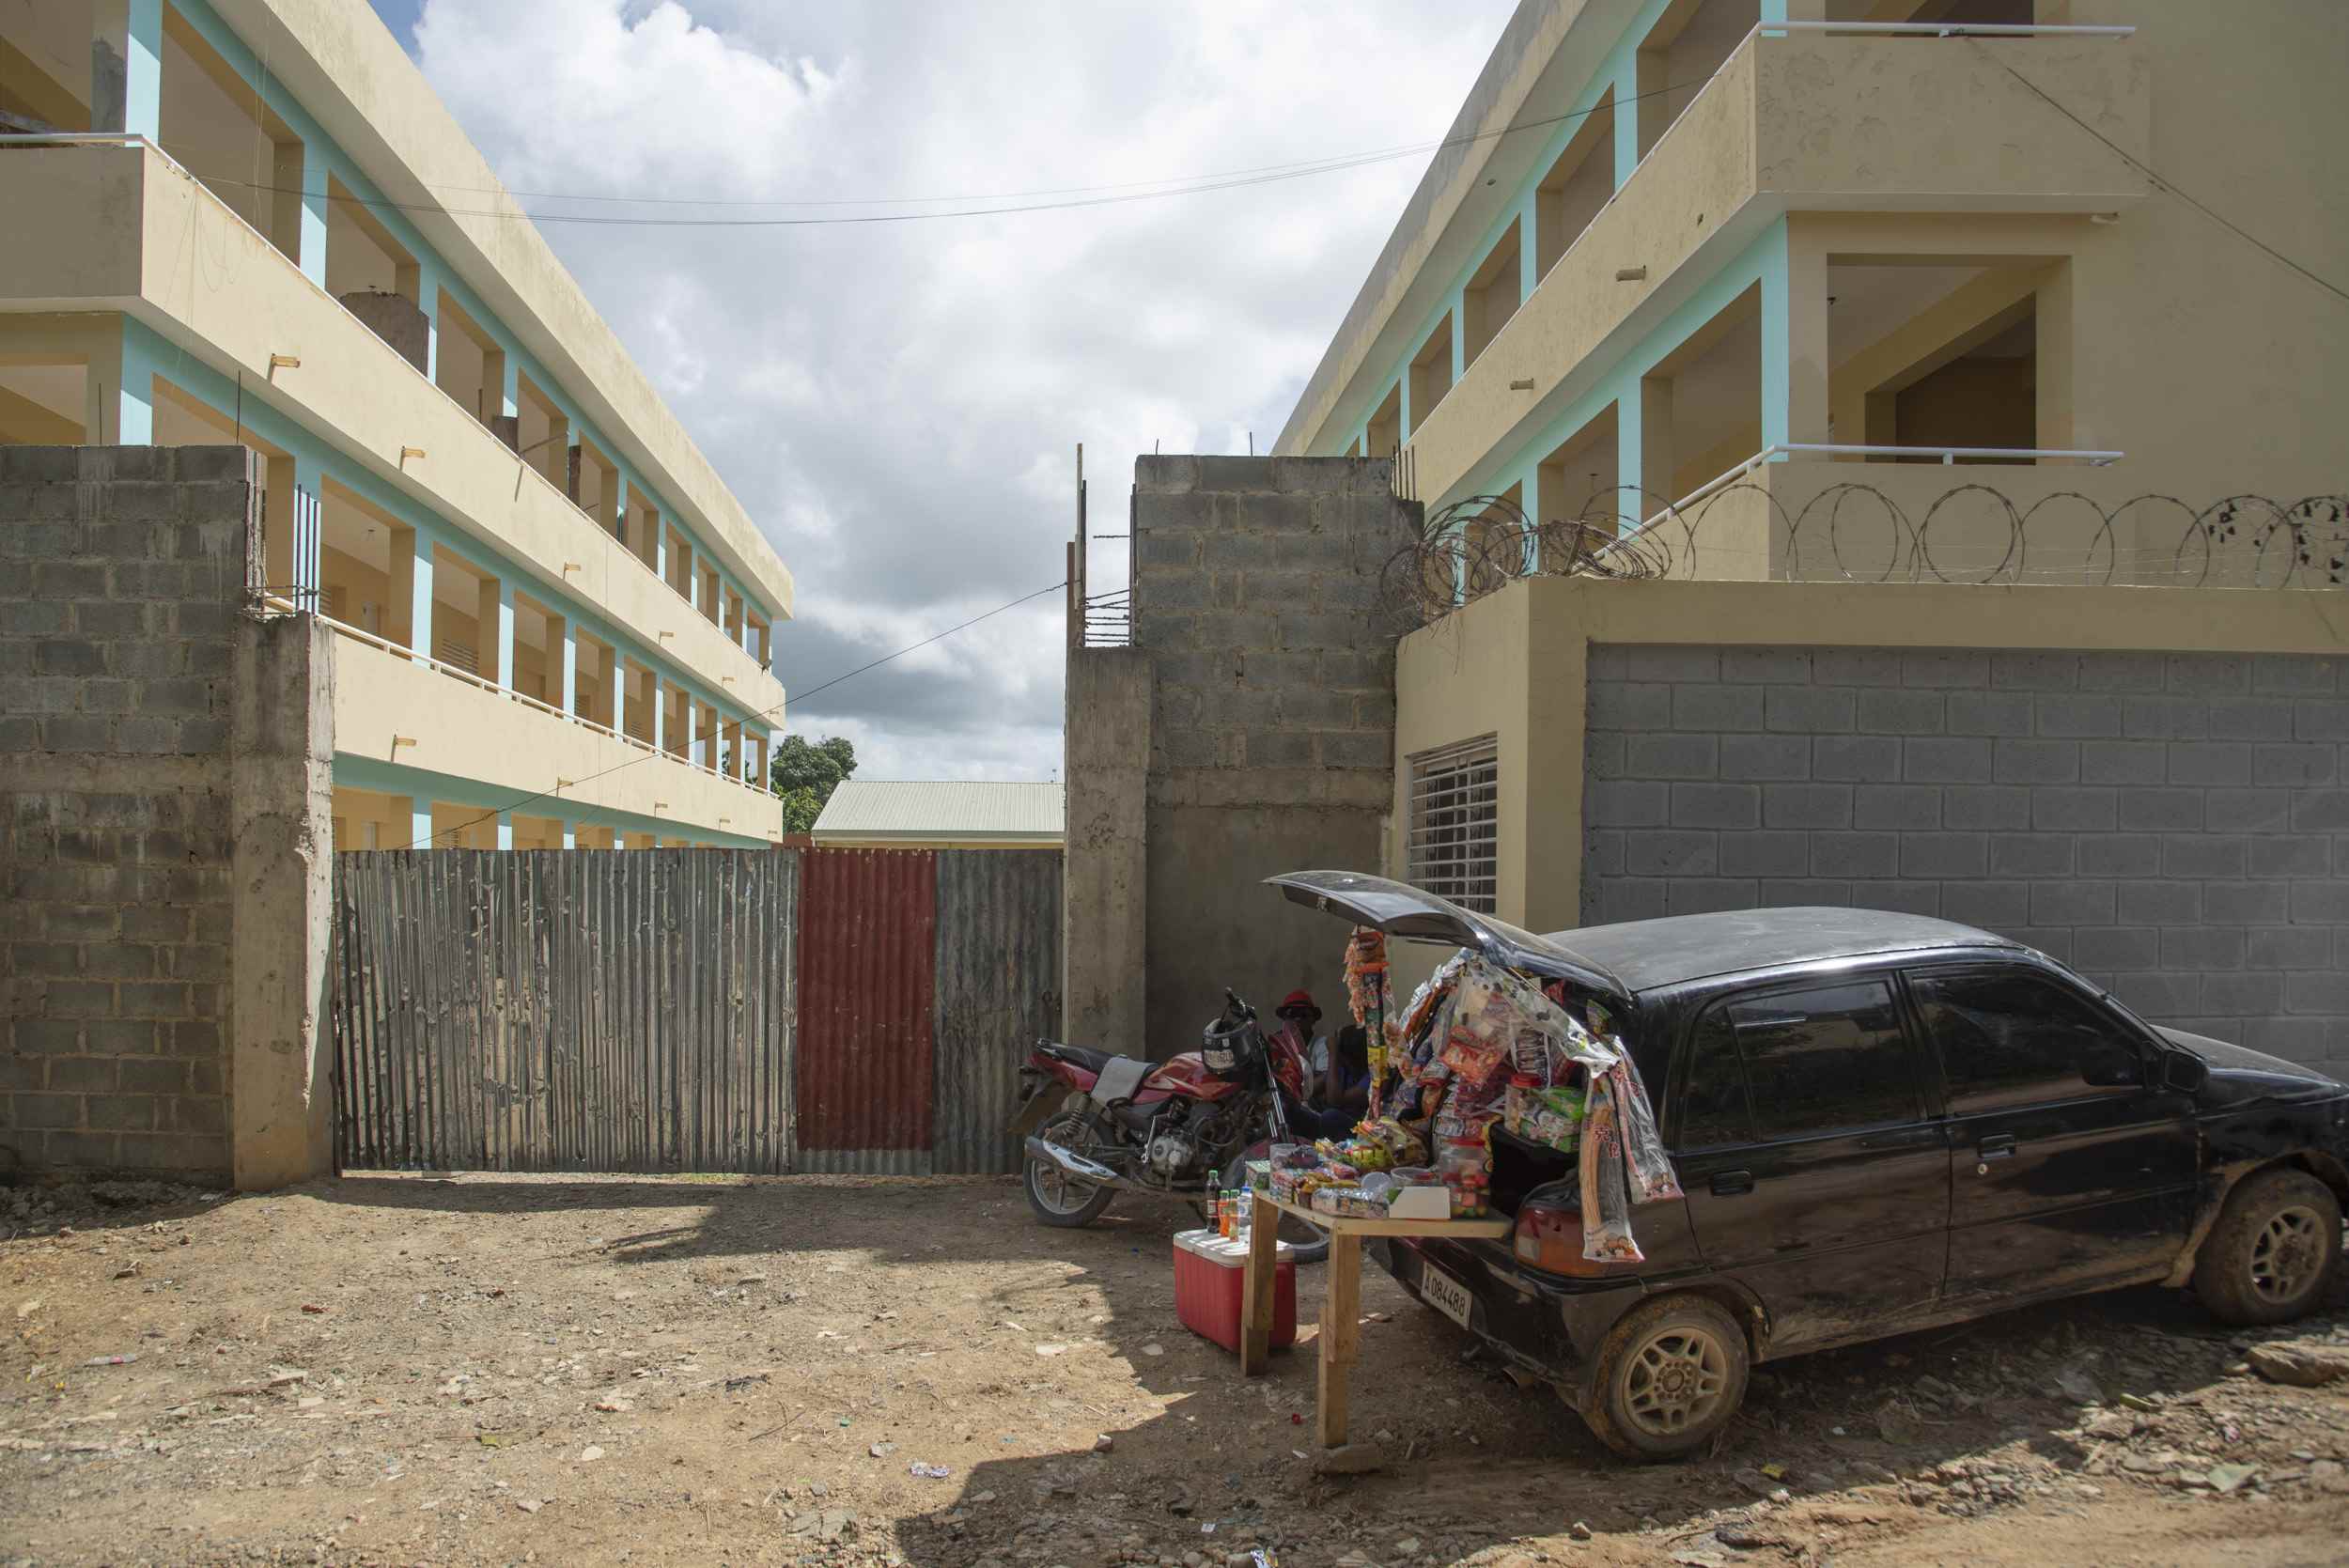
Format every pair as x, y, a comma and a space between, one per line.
123, 823
1271, 718
2176, 826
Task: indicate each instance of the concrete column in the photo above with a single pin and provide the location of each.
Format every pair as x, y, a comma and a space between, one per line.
1627, 107
126, 68
407, 612
1105, 908
506, 830
505, 632
510, 385
422, 285
127, 409
1402, 406
277, 535
1459, 336
1529, 260
654, 695
570, 666
419, 822
1794, 342
282, 798
570, 833
1654, 453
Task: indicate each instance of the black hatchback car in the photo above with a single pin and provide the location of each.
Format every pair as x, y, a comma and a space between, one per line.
1882, 1123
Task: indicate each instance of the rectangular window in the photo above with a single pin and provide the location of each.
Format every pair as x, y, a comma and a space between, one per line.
2008, 1037
1828, 1058
1454, 815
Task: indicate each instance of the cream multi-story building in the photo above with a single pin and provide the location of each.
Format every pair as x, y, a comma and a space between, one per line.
1761, 249
251, 220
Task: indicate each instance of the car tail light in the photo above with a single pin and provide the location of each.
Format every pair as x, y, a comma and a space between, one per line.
1549, 1236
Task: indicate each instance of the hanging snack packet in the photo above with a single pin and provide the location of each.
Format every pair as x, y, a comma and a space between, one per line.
1651, 1178
1606, 1198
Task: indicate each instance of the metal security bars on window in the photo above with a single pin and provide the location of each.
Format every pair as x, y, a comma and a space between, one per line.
1454, 812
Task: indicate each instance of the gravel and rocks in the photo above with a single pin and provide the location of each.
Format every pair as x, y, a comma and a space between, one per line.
586, 1369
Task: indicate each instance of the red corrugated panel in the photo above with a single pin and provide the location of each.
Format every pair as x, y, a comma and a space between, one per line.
868, 924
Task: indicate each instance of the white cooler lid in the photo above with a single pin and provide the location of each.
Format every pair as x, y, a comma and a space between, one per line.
1230, 1254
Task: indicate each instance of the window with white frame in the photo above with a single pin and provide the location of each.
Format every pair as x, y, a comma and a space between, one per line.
1454, 813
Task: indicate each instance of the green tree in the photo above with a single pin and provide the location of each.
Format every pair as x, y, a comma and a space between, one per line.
805, 773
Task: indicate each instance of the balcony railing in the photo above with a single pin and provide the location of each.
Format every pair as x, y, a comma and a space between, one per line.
281, 605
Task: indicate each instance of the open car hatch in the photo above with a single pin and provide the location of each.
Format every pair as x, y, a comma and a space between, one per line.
1402, 910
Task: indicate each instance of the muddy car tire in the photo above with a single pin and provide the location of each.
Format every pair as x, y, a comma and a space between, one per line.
2273, 1250
1048, 1191
1668, 1377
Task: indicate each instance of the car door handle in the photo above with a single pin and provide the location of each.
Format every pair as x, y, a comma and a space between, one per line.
1731, 1183
1998, 1147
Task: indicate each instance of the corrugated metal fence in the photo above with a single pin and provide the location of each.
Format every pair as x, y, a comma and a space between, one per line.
752, 1011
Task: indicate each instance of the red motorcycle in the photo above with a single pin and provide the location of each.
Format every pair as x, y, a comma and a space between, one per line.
1097, 1125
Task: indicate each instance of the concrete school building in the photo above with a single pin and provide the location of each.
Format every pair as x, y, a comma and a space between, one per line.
251, 222
1689, 275
1670, 242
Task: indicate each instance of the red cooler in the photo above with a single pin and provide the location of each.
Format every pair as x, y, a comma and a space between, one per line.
1208, 1274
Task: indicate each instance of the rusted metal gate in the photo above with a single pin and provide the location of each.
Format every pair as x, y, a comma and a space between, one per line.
751, 1011
565, 1011
867, 969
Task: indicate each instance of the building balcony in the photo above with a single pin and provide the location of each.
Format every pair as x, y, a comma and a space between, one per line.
122, 228
1798, 120
391, 707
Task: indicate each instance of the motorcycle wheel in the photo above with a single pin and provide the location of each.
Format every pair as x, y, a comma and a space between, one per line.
1056, 1197
1308, 1243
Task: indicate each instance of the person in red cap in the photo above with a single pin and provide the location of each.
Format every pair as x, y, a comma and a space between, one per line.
1298, 1016
1338, 1079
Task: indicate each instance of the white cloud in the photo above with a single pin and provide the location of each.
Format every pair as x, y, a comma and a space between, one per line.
898, 403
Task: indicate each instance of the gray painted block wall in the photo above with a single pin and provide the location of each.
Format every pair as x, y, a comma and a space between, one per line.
2176, 826
122, 572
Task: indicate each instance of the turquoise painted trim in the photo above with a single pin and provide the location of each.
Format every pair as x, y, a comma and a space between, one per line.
1763, 261
1618, 70
146, 354
424, 788
1777, 352
143, 69
433, 272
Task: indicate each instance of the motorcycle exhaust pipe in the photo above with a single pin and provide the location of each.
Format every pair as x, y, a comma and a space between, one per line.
1074, 1164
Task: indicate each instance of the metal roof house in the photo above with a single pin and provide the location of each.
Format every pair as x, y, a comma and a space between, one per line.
880, 814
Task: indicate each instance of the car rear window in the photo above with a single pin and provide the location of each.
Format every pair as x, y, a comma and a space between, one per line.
1797, 1064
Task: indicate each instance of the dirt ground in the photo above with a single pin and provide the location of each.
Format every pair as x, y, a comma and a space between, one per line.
493, 1369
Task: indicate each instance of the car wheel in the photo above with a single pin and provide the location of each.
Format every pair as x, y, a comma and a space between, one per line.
1057, 1198
1669, 1376
2273, 1250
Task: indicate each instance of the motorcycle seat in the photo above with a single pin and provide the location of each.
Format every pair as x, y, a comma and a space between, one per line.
1091, 1061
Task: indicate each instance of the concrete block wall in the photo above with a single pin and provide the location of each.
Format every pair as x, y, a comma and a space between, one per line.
2176, 826
1272, 732
122, 572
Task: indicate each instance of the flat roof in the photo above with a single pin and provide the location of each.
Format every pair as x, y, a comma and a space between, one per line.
929, 810
1646, 953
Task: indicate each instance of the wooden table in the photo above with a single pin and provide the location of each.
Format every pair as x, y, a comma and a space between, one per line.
1341, 1303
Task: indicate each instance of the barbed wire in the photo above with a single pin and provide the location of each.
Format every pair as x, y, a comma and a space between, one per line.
1972, 533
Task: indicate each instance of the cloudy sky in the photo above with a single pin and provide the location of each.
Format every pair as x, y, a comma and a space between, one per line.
898, 404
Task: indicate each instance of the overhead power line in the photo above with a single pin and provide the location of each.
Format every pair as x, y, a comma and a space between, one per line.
1063, 198
736, 725
2140, 166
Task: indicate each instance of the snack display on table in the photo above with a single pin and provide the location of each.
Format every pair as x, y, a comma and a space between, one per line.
1351, 1201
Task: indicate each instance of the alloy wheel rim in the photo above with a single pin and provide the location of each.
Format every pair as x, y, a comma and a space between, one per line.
1675, 1381
2285, 1255
1055, 1188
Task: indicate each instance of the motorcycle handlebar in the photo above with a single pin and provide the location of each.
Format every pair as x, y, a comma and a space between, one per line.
1234, 1007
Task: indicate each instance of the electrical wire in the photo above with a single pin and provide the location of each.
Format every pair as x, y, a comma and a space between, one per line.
737, 724
1079, 199
2139, 164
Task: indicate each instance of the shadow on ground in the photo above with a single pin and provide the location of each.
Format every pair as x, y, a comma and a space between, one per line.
1477, 1461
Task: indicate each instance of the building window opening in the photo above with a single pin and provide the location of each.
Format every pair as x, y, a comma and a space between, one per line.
218, 128
45, 64
1700, 406
1453, 849
1386, 427
1934, 355
1576, 187
1582, 508
544, 433
45, 405
1431, 374
1692, 40
1492, 296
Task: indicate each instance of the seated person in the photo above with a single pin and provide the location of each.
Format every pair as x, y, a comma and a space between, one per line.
1344, 1082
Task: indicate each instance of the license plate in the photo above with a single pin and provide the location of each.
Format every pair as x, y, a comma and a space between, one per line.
1445, 1293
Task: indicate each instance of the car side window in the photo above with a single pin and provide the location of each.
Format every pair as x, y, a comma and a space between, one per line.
1825, 1058
1712, 1089
2009, 1038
